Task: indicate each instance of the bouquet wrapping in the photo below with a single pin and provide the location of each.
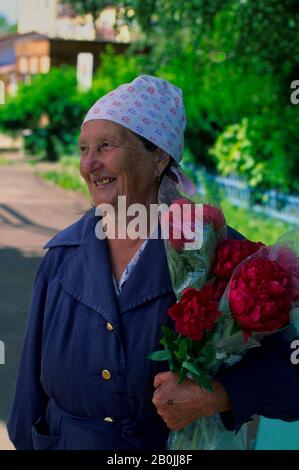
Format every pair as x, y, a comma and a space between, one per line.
230, 295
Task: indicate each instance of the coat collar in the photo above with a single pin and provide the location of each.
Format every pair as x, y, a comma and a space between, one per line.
150, 277
87, 276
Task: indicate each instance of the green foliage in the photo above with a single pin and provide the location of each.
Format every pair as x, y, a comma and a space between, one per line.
223, 54
87, 6
261, 149
66, 174
261, 33
215, 95
255, 227
115, 70
233, 59
233, 151
4, 161
6, 27
186, 356
52, 108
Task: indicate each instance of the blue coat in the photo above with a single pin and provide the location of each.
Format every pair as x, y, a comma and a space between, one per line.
84, 381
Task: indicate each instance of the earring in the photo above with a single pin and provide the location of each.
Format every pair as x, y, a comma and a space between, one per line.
158, 178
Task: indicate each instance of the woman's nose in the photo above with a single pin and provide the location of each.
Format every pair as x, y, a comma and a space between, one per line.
91, 161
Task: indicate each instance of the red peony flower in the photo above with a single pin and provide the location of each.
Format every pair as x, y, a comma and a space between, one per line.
177, 229
196, 312
219, 286
288, 259
212, 215
230, 253
177, 236
260, 296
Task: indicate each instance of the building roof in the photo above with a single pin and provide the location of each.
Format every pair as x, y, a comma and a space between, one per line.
4, 69
34, 35
7, 46
8, 50
20, 37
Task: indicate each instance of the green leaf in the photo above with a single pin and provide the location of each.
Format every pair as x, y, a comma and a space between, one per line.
168, 333
182, 375
204, 382
183, 349
208, 353
163, 355
163, 341
198, 376
235, 329
174, 365
201, 359
168, 343
192, 368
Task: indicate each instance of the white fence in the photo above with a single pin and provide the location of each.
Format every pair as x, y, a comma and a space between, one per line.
274, 203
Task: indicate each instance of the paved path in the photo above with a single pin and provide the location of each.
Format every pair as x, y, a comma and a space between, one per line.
31, 212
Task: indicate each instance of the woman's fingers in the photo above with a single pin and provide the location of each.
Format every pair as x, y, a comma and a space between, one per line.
161, 378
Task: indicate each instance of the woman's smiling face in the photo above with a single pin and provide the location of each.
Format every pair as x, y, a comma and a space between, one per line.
115, 163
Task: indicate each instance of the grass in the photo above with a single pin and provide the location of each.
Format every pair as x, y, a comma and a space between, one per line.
34, 160
254, 226
3, 161
66, 174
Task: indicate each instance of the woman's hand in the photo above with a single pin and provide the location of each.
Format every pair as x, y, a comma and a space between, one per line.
180, 404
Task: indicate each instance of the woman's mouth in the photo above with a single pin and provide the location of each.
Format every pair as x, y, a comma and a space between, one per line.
103, 181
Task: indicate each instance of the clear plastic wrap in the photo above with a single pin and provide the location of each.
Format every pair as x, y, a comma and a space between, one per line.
230, 338
190, 265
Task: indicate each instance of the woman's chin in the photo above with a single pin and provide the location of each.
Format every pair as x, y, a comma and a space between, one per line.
103, 194
108, 198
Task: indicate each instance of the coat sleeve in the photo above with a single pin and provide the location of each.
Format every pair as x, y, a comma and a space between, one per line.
29, 398
264, 382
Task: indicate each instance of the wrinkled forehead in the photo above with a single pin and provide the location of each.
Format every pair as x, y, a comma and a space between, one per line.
99, 129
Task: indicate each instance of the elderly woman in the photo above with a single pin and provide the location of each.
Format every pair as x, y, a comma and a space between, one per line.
84, 381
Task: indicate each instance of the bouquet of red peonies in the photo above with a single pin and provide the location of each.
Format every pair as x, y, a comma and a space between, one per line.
231, 294
191, 230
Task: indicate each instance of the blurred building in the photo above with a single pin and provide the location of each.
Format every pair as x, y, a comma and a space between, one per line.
54, 19
49, 35
25, 55
9, 72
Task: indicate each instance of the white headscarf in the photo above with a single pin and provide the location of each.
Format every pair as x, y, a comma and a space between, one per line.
149, 106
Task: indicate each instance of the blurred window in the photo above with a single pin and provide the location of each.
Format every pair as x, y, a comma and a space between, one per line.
33, 65
23, 65
45, 64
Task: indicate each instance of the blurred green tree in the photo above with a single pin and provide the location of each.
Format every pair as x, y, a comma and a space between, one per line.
6, 27
235, 60
84, 7
50, 117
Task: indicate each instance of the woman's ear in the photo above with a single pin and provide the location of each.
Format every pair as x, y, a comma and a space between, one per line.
162, 161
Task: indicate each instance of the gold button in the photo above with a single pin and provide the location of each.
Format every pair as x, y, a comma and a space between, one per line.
108, 419
109, 327
106, 374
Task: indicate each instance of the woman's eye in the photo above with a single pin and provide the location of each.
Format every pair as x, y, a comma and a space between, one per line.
107, 145
82, 148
